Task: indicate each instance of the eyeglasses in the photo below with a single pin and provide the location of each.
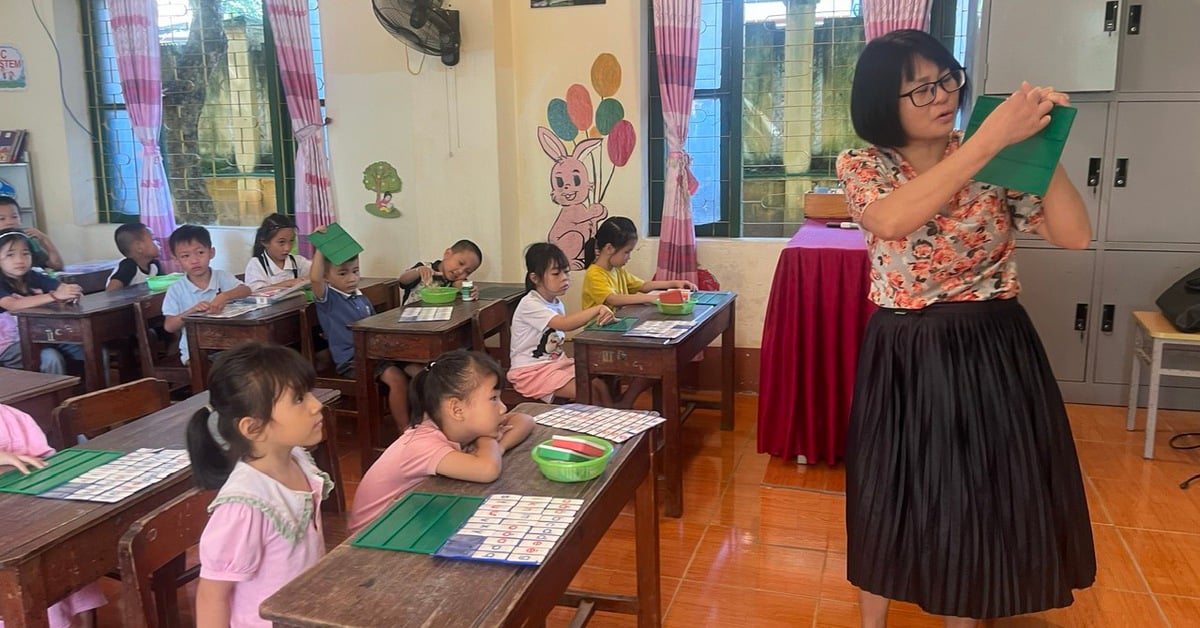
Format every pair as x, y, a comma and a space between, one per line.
924, 94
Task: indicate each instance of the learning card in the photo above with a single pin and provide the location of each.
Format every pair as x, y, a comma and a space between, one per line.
116, 480
515, 529
661, 329
1028, 165
579, 445
550, 452
611, 424
237, 308
413, 314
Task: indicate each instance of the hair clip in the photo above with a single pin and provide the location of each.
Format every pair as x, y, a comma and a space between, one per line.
214, 429
430, 366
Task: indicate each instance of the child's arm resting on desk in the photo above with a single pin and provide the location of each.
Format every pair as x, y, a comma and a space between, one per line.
64, 292
575, 320
212, 603
484, 462
234, 290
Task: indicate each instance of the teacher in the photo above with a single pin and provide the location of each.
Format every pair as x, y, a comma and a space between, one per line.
963, 493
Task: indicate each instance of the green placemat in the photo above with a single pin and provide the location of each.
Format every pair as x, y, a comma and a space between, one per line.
335, 244
60, 468
420, 523
1026, 166
621, 324
706, 298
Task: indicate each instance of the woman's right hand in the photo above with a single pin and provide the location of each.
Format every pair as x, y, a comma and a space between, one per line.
1020, 116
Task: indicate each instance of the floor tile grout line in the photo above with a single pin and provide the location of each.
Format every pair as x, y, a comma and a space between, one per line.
1137, 564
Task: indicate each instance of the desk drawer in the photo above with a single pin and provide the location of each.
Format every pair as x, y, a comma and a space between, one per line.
55, 330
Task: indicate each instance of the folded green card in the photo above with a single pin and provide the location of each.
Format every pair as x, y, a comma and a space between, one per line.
1026, 166
335, 244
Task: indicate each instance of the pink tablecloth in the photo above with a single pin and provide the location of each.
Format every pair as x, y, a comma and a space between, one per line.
814, 323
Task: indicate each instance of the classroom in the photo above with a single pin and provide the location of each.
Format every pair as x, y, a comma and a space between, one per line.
678, 312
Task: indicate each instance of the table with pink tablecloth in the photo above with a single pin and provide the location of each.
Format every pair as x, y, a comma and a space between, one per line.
814, 323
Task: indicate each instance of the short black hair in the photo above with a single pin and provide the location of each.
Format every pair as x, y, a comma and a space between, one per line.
8, 200
190, 233
884, 64
127, 234
540, 258
467, 245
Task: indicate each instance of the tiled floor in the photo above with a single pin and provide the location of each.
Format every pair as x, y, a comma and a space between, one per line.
762, 541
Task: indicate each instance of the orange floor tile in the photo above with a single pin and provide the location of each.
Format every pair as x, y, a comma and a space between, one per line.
762, 541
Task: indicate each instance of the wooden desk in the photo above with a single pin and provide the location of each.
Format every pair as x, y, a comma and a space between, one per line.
96, 319
37, 394
384, 337
52, 548
353, 586
282, 323
92, 277
610, 353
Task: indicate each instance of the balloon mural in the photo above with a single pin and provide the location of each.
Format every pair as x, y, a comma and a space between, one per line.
577, 177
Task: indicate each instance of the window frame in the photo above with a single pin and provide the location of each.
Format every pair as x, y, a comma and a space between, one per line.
283, 142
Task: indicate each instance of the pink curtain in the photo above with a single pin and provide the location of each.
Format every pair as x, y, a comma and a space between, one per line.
883, 16
135, 37
293, 47
676, 42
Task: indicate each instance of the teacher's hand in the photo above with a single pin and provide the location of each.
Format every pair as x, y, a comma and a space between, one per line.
1020, 116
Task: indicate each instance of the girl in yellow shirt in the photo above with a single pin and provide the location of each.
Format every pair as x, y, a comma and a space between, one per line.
606, 282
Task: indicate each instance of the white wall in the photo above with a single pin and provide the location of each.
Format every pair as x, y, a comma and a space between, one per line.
463, 139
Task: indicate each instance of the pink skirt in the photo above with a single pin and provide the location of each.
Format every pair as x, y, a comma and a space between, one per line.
539, 381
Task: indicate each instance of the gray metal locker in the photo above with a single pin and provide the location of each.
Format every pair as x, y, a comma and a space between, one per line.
1069, 44
1131, 281
1056, 287
1154, 201
1160, 54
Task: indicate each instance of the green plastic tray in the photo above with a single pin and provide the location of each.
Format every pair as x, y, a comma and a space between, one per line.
419, 523
621, 324
60, 468
1026, 166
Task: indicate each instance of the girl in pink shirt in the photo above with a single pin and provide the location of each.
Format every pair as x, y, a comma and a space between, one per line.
265, 527
458, 428
23, 445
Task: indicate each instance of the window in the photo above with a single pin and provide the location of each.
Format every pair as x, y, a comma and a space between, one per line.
771, 110
226, 138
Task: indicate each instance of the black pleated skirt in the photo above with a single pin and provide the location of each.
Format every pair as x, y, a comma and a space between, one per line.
963, 492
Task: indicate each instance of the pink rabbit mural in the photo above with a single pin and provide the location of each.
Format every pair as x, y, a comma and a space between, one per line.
578, 188
571, 189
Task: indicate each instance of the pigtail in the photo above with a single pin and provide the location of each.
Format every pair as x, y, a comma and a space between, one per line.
416, 402
211, 462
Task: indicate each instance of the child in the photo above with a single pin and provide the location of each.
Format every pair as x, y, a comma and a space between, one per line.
606, 281
540, 369
203, 288
23, 445
339, 302
136, 243
21, 288
273, 263
249, 442
45, 254
458, 428
457, 263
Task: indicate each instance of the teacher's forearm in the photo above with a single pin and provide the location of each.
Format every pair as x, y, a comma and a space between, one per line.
1066, 221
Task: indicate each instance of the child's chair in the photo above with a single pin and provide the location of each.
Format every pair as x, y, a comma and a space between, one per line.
97, 412
158, 359
152, 555
491, 320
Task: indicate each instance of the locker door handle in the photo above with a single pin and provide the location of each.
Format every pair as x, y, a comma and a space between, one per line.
1081, 316
1133, 25
1106, 317
1110, 16
1093, 173
1122, 173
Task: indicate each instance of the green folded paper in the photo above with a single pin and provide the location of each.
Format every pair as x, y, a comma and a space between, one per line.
1026, 166
335, 244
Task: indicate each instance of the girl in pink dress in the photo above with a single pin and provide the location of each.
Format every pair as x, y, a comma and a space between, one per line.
23, 445
265, 527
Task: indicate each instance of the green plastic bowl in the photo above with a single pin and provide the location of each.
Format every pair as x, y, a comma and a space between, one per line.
162, 282
676, 308
559, 471
439, 294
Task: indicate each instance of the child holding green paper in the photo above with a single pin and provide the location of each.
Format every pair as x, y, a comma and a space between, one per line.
963, 489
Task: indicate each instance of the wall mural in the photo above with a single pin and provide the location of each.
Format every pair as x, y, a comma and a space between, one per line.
579, 177
382, 179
